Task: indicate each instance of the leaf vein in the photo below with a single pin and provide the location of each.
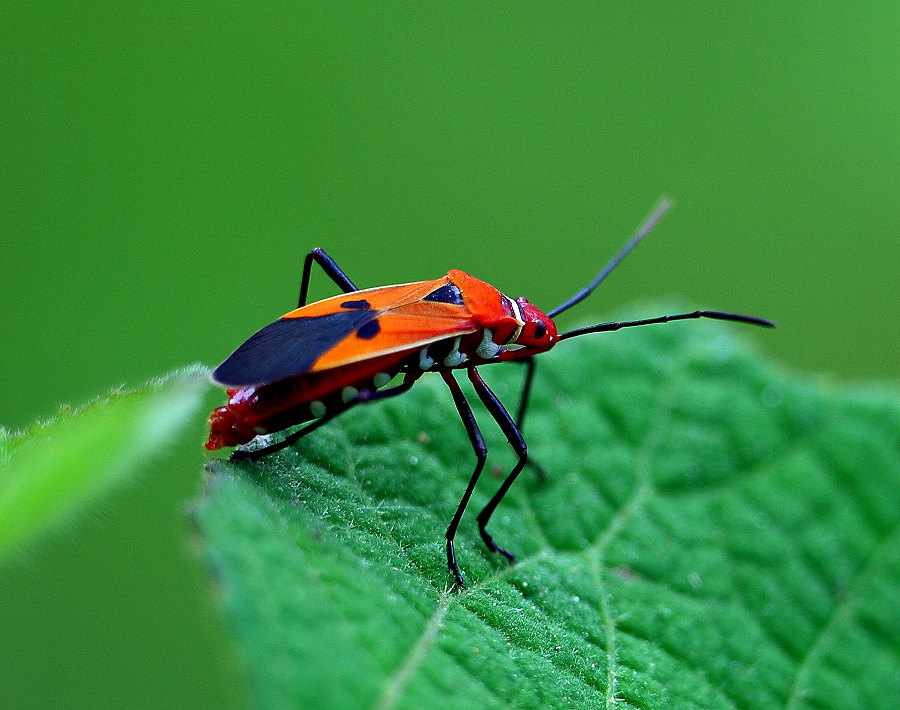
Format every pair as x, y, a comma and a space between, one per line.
840, 612
609, 629
397, 683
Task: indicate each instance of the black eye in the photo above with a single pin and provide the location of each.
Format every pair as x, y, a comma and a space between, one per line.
540, 330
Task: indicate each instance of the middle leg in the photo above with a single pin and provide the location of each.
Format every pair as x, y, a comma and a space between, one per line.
515, 439
465, 413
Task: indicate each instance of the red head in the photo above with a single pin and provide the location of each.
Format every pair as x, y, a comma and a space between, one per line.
537, 335
539, 330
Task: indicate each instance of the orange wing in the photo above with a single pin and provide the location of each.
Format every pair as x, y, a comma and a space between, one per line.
349, 328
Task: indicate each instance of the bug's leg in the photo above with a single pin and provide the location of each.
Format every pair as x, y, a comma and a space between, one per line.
526, 391
331, 269
374, 395
523, 407
256, 454
465, 413
362, 397
514, 437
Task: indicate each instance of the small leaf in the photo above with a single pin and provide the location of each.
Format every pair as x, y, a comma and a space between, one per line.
713, 533
57, 467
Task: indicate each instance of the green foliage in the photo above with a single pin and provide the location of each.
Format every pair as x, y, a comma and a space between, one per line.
713, 533
56, 467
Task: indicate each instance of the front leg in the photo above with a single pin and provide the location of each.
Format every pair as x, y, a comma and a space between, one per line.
526, 391
529, 362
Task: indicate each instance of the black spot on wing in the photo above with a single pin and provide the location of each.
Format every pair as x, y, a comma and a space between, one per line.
445, 294
361, 304
289, 347
369, 330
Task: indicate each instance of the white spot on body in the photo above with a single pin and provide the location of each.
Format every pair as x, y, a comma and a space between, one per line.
348, 394
455, 357
317, 409
520, 320
488, 347
381, 379
426, 362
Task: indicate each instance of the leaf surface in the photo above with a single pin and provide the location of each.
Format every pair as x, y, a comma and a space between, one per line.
713, 533
56, 468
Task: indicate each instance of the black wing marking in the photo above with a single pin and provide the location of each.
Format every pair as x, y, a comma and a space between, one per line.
448, 293
361, 304
290, 346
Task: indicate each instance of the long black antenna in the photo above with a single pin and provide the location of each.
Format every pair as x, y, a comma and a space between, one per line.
646, 226
718, 315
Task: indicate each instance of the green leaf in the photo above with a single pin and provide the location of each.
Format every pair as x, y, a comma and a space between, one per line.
58, 467
713, 533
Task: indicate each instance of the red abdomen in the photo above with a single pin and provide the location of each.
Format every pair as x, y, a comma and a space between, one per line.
268, 408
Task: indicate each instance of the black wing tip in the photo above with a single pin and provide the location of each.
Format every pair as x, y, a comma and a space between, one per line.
224, 376
289, 347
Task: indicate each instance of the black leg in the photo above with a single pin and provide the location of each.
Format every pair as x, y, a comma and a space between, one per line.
526, 391
331, 269
256, 454
514, 437
523, 407
361, 398
465, 413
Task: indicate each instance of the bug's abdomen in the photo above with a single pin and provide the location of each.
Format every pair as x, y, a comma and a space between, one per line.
251, 411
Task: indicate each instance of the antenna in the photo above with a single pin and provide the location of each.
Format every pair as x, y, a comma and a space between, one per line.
717, 315
642, 231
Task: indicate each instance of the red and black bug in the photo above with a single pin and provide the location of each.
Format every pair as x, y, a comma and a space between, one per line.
321, 359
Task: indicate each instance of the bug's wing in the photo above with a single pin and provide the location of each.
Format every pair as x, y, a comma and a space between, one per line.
348, 328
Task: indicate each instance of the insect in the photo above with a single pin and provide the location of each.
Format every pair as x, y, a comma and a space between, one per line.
324, 358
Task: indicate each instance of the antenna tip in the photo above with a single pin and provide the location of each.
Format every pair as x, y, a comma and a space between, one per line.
663, 205
659, 210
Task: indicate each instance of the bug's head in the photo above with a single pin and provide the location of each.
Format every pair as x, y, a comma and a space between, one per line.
539, 330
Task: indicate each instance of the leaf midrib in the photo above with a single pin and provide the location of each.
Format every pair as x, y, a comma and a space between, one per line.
840, 612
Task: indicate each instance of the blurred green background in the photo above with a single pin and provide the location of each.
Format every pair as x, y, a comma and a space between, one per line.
164, 168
